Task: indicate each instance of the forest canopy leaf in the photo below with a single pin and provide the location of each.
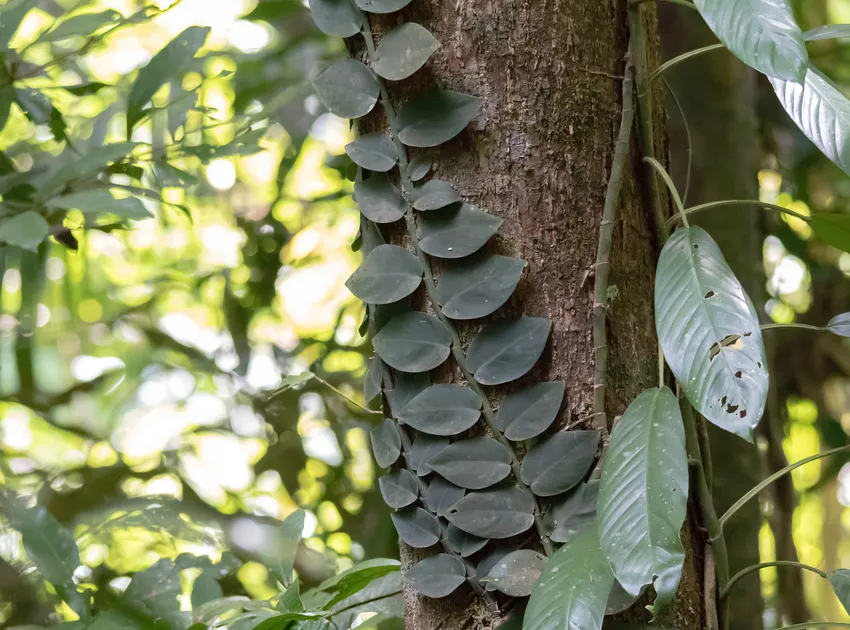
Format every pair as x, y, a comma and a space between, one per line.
476, 287
497, 513
576, 512
443, 409
558, 463
389, 274
503, 352
403, 51
473, 464
833, 229
348, 89
102, 201
413, 342
437, 576
81, 24
435, 117
373, 151
528, 412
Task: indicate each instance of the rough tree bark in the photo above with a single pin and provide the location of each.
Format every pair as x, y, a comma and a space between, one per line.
539, 155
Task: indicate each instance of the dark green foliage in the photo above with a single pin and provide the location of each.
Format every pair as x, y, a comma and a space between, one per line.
437, 576
443, 410
473, 464
499, 513
558, 463
503, 352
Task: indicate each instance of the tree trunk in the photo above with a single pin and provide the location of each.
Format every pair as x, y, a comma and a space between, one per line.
539, 155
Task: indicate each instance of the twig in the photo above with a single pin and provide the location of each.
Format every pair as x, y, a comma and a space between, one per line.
763, 565
687, 136
344, 397
794, 325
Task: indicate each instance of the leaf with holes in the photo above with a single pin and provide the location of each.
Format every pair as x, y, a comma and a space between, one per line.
435, 117
517, 573
761, 33
382, 6
463, 543
26, 230
373, 151
840, 581
840, 325
474, 464
416, 527
822, 113
390, 273
497, 513
503, 352
478, 286
709, 331
413, 342
386, 443
443, 410
336, 17
434, 194
403, 51
528, 412
442, 495
424, 448
418, 167
437, 576
405, 387
348, 89
457, 232
379, 200
643, 495
559, 462
399, 488
373, 380
833, 229
575, 513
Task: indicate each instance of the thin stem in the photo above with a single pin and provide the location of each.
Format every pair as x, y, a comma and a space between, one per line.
757, 567
675, 61
794, 325
739, 202
670, 186
817, 624
780, 473
687, 137
346, 398
681, 3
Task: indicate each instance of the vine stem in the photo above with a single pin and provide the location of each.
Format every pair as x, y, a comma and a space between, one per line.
757, 567
344, 397
675, 61
794, 325
681, 3
408, 187
671, 187
738, 202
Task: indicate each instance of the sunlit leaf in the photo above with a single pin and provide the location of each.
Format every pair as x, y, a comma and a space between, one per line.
96, 161
403, 51
435, 117
437, 576
832, 229
11, 16
26, 230
504, 351
528, 412
443, 409
476, 287
413, 342
457, 232
473, 464
81, 24
373, 151
517, 573
497, 513
442, 495
389, 274
558, 463
416, 527
101, 201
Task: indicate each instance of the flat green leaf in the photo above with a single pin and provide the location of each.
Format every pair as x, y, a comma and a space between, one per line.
389, 273
424, 448
206, 613
517, 573
437, 576
503, 352
413, 342
643, 495
442, 495
157, 589
528, 412
101, 201
11, 15
336, 17
761, 33
416, 527
205, 589
418, 167
403, 51
476, 287
373, 151
840, 325
573, 589
474, 464
434, 194
576, 512
558, 463
35, 105
840, 581
26, 230
284, 621
832, 229
382, 6
463, 543
173, 60
822, 113
404, 388
490, 559
50, 546
355, 580
348, 89
709, 331
435, 117
399, 488
443, 410
373, 380
379, 200
81, 24
386, 443
289, 536
96, 161
457, 232
496, 513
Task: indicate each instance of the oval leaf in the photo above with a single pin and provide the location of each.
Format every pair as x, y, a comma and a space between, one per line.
463, 543
382, 6
417, 527
560, 462
379, 200
386, 443
643, 495
442, 495
437, 576
373, 151
832, 229
761, 33
498, 513
399, 488
413, 342
840, 581
434, 195
530, 411
505, 351
517, 573
419, 167
435, 117
403, 51
373, 380
721, 366
424, 448
336, 17
405, 388
443, 410
476, 287
101, 201
840, 325
348, 89
576, 512
457, 233
474, 464
26, 230
389, 273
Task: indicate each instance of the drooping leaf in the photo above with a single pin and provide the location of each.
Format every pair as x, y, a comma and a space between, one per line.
528, 412
833, 229
435, 117
399, 488
417, 527
497, 513
379, 200
101, 201
840, 581
503, 352
81, 24
576, 512
348, 89
389, 273
406, 387
403, 51
289, 536
373, 151
517, 573
619, 600
413, 342
840, 325
418, 167
171, 61
443, 409
382, 6
573, 589
478, 286
373, 380
828, 31
26, 230
463, 543
761, 33
473, 464
457, 232
437, 576
643, 495
424, 448
442, 495
560, 462
434, 194
721, 364
386, 443
336, 17
96, 160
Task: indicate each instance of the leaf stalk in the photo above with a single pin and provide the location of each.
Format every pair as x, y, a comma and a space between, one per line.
763, 565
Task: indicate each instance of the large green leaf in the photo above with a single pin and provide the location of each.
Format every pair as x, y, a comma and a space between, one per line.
435, 117
528, 412
478, 286
348, 88
573, 589
576, 512
96, 160
434, 194
643, 495
26, 230
463, 543
709, 331
81, 24
403, 51
840, 581
442, 495
424, 448
833, 229
416, 527
389, 274
503, 352
761, 33
457, 232
558, 463
50, 546
173, 60
443, 409
379, 200
473, 464
373, 151
517, 573
497, 513
828, 31
399, 488
336, 17
437, 576
413, 342
287, 544
386, 443
101, 201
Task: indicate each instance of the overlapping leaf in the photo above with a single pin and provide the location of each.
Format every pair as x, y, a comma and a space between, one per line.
434, 194
560, 462
529, 411
403, 51
102, 201
348, 89
503, 352
463, 543
457, 232
413, 342
389, 273
478, 286
833, 229
435, 117
379, 200
418, 167
416, 527
373, 151
576, 512
382, 6
497, 513
336, 17
437, 576
399, 488
442, 495
473, 464
443, 409
424, 448
517, 573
